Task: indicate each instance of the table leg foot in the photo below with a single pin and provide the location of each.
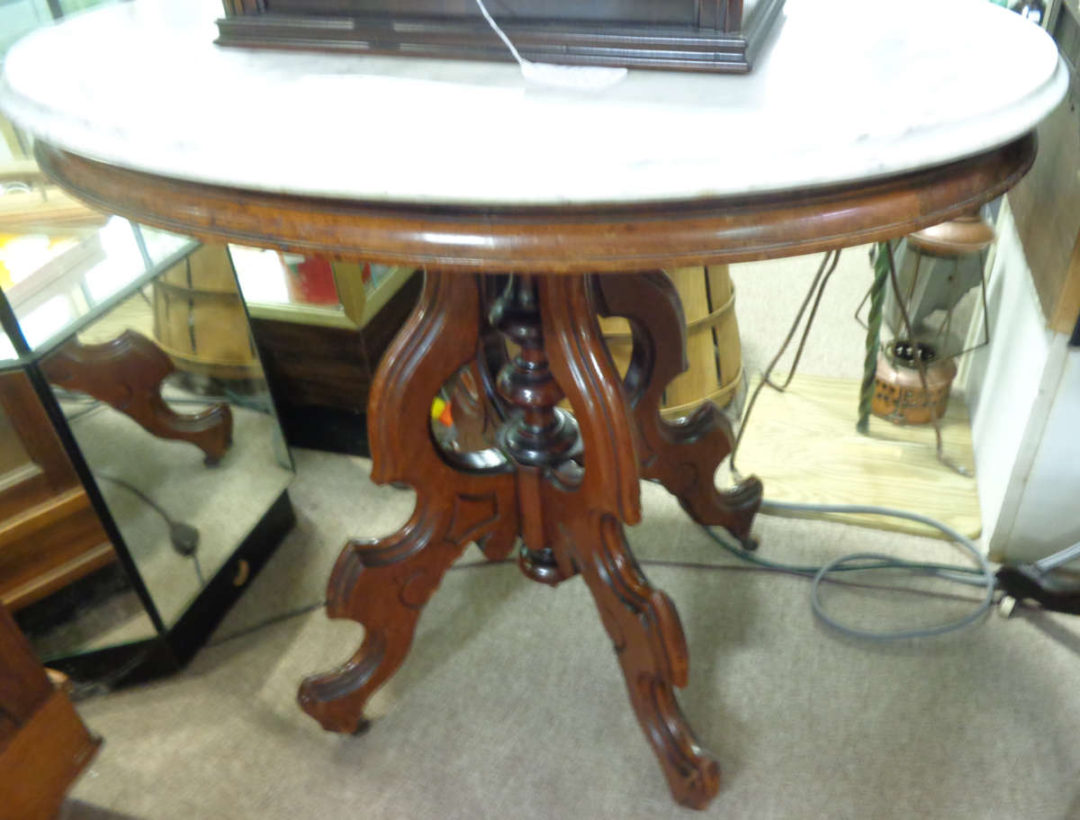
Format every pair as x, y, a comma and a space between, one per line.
683, 455
384, 584
649, 642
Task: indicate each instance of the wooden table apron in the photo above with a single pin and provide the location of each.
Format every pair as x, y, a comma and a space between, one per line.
564, 484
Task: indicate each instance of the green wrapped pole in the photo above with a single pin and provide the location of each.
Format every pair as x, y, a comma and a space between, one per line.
873, 336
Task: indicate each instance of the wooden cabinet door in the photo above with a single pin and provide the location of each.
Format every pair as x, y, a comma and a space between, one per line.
49, 533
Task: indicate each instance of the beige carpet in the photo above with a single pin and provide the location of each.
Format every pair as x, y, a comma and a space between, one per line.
512, 706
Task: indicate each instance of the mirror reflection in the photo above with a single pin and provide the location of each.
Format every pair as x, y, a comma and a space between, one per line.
59, 572
167, 401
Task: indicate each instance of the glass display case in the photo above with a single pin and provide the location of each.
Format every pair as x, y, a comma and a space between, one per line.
322, 326
312, 290
143, 472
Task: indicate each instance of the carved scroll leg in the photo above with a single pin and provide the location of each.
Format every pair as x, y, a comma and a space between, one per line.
384, 584
651, 648
641, 621
683, 456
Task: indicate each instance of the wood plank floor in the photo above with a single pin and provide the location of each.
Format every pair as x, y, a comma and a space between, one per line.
803, 445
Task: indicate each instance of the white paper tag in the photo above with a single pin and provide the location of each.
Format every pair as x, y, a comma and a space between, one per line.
582, 78
588, 78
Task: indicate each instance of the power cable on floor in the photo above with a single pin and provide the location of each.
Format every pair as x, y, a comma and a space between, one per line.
275, 619
981, 575
755, 564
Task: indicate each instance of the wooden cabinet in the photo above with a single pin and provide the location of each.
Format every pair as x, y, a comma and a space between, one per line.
321, 353
49, 533
43, 743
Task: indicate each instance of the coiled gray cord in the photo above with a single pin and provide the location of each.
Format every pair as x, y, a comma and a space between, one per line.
982, 577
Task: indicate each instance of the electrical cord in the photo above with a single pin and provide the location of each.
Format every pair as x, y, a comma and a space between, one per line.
821, 279
759, 565
84, 689
184, 537
981, 576
275, 619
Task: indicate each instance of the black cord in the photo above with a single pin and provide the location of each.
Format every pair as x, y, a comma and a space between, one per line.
653, 562
184, 537
71, 397
816, 291
131, 488
751, 566
83, 689
276, 619
92, 408
198, 569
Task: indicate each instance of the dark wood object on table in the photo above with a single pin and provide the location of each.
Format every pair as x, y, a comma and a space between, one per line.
565, 484
49, 532
43, 743
126, 373
688, 35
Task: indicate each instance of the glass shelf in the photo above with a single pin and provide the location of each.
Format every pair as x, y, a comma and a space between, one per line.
136, 351
312, 290
58, 285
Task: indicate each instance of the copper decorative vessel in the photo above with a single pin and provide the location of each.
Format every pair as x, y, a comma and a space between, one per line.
900, 394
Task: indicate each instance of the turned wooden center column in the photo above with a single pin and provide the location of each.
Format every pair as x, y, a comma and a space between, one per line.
540, 437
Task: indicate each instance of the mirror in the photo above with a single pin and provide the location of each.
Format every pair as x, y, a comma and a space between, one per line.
59, 573
166, 399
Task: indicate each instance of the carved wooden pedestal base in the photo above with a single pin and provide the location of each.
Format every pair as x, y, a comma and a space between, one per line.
564, 484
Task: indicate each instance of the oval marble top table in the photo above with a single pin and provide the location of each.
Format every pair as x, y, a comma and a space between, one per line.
845, 90
864, 119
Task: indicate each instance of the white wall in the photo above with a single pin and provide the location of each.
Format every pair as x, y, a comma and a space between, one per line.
1048, 515
1004, 381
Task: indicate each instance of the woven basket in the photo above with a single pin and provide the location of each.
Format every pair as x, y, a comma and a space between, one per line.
712, 341
199, 319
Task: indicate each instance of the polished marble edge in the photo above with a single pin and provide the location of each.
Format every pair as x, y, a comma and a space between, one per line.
475, 133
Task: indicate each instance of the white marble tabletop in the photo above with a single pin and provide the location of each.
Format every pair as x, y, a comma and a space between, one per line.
845, 90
